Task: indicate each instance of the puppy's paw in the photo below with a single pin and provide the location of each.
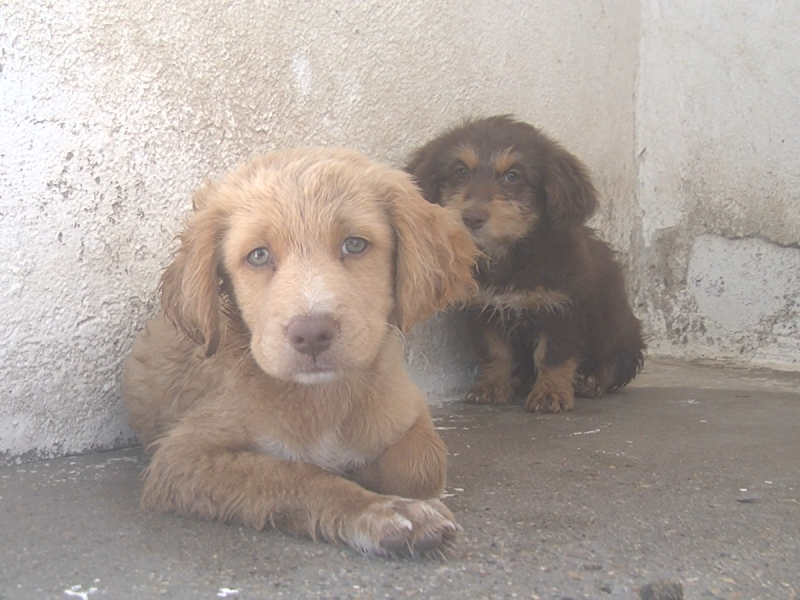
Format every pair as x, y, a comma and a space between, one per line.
489, 392
401, 527
588, 386
550, 401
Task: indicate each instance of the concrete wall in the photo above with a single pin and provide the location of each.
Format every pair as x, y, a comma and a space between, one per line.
717, 267
112, 113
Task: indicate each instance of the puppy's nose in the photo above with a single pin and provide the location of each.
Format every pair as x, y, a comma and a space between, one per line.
475, 217
312, 335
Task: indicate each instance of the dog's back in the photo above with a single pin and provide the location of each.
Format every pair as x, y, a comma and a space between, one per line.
614, 334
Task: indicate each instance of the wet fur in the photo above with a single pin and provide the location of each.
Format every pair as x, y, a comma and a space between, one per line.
552, 316
243, 427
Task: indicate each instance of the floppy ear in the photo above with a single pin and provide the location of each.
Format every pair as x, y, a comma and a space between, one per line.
190, 286
571, 197
424, 168
435, 256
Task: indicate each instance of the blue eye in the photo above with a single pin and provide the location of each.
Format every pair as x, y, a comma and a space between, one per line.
462, 172
512, 177
354, 245
260, 257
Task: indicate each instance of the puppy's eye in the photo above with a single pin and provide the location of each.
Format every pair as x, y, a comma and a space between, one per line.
512, 177
354, 245
462, 172
260, 257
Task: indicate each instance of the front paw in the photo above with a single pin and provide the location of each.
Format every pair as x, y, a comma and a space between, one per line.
401, 527
489, 392
550, 400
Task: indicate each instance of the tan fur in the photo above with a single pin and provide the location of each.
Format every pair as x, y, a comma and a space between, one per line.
467, 156
503, 160
245, 427
510, 221
553, 390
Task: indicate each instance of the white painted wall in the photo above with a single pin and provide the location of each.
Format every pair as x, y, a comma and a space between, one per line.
111, 113
717, 268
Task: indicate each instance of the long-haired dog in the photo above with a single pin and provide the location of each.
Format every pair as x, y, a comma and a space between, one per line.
552, 313
272, 390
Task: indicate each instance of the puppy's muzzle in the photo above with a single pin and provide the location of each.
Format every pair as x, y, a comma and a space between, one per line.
312, 335
475, 217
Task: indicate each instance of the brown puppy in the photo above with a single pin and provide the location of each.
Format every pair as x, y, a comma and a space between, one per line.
552, 312
273, 391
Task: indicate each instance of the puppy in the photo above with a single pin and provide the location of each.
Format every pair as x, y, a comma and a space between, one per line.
552, 312
272, 389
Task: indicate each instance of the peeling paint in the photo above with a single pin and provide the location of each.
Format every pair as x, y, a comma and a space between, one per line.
745, 284
714, 272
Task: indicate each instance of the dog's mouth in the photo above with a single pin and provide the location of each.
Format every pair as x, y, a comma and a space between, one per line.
316, 375
291, 361
491, 246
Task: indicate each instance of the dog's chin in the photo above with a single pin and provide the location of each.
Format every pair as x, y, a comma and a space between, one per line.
491, 247
316, 377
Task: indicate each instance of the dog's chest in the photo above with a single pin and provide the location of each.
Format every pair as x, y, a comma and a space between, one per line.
517, 287
501, 273
328, 452
519, 268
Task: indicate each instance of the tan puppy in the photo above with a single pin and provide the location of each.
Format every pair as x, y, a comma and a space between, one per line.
273, 391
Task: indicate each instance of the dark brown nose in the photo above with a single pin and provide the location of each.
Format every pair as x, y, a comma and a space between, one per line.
312, 335
475, 217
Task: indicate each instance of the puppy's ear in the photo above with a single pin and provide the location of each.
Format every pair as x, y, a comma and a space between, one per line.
424, 168
571, 197
190, 286
435, 256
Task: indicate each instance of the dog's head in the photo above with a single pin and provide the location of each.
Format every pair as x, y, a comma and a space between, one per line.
317, 253
503, 178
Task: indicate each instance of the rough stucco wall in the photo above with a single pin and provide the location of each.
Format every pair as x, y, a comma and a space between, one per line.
113, 112
718, 141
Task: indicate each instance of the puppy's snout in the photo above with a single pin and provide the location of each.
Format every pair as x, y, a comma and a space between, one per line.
475, 217
312, 335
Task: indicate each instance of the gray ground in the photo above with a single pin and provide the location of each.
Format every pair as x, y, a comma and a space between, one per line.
688, 481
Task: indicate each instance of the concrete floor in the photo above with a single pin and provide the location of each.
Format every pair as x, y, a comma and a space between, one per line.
690, 478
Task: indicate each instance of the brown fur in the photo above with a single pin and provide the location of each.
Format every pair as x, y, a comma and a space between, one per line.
243, 424
552, 294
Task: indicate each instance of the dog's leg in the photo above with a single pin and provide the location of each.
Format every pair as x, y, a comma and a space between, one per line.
553, 391
195, 475
414, 467
496, 359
